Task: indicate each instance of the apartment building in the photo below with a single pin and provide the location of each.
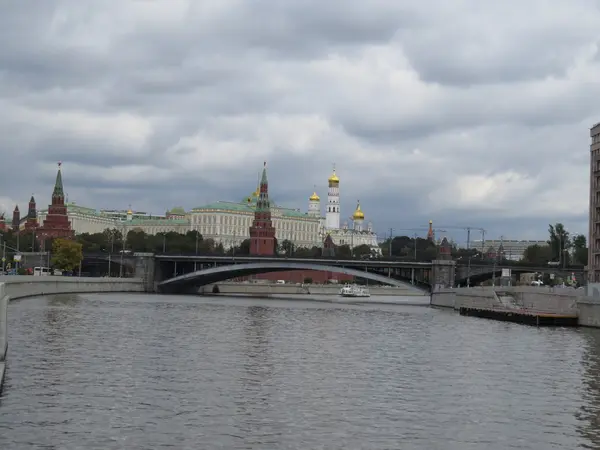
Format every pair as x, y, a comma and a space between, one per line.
594, 236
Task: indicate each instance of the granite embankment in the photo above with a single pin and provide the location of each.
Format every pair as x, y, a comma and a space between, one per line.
15, 287
541, 298
556, 300
233, 288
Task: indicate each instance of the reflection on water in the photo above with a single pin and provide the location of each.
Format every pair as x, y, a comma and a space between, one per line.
139, 372
590, 408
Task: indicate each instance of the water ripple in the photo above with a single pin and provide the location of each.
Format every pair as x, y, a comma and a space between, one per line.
137, 372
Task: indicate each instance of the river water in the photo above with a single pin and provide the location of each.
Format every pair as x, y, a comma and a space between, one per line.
156, 372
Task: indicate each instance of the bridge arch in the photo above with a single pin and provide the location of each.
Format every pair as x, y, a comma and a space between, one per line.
222, 273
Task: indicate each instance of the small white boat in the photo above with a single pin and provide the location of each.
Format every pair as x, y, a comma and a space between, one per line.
354, 291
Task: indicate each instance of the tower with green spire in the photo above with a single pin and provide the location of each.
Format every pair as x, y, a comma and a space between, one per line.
262, 231
56, 223
32, 220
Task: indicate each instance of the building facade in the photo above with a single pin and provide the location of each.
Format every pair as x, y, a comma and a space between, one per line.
229, 222
353, 234
80, 219
594, 213
512, 249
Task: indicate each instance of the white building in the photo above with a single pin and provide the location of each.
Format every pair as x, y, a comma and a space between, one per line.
354, 234
514, 249
89, 220
229, 223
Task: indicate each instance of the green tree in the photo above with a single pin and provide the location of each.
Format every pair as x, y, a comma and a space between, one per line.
343, 251
304, 252
580, 250
537, 254
66, 254
559, 241
286, 248
362, 251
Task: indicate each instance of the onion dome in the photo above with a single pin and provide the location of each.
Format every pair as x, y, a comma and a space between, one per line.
314, 197
358, 214
333, 178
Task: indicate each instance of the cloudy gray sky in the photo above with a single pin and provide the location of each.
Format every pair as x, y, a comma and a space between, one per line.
468, 113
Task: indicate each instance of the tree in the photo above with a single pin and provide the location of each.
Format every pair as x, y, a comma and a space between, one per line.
343, 251
559, 241
286, 247
66, 254
304, 252
362, 251
537, 254
580, 251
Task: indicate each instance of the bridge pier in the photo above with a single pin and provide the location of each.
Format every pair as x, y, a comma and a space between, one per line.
145, 268
443, 274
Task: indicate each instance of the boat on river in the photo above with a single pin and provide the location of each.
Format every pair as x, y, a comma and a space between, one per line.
352, 290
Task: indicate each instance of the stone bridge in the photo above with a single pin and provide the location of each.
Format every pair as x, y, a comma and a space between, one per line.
204, 276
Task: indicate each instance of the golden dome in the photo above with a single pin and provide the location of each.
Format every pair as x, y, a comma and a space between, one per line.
358, 214
333, 178
129, 212
314, 197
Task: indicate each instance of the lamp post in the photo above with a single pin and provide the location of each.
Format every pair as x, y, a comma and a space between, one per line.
122, 252
112, 241
195, 261
3, 251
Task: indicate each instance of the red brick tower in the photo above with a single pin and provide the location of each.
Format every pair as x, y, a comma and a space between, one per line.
56, 224
262, 231
430, 234
16, 221
32, 221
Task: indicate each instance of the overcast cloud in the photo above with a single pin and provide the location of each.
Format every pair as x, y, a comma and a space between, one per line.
468, 113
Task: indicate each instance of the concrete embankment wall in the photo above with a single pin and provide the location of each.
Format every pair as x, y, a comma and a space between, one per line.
28, 286
310, 289
3, 331
540, 298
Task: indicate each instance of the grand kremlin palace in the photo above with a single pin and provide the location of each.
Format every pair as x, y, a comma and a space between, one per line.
229, 222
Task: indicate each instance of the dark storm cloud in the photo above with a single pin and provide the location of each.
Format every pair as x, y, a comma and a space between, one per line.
457, 111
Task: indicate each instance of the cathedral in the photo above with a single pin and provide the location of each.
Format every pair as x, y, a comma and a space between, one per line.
354, 234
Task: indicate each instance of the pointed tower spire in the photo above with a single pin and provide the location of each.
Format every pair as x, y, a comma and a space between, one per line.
262, 232
58, 185
263, 179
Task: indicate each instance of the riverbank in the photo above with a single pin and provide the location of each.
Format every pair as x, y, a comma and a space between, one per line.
558, 301
3, 332
232, 288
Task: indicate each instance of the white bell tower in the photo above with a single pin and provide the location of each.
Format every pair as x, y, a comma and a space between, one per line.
332, 214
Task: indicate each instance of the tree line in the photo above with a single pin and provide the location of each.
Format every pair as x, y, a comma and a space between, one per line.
193, 242
562, 248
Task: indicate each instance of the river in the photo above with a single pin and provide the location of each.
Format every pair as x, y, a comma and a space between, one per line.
156, 372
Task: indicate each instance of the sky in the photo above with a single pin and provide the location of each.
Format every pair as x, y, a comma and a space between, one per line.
467, 113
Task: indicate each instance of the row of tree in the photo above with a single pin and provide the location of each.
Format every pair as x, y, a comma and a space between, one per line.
561, 249
193, 242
